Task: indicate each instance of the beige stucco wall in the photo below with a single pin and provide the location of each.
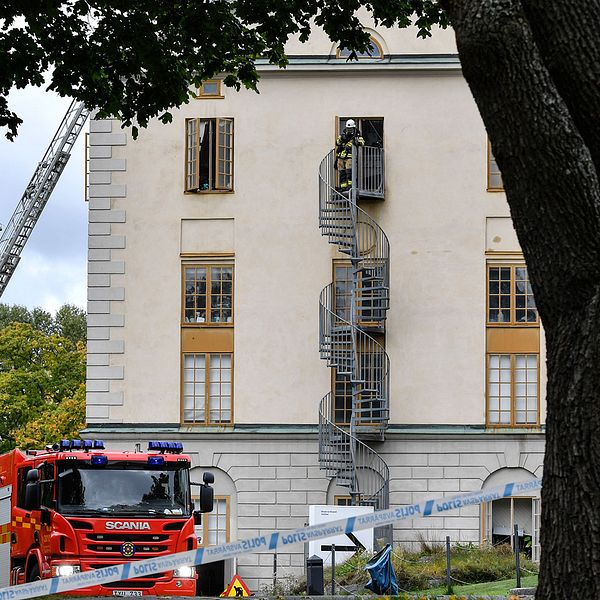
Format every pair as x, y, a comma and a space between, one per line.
436, 214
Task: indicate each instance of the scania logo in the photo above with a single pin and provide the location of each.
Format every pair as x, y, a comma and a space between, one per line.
141, 525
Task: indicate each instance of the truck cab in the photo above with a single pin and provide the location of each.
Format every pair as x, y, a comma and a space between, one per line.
78, 507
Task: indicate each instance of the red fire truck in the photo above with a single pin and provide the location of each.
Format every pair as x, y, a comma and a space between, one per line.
75, 507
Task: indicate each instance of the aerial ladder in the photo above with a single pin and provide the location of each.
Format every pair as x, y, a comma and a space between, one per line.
36, 195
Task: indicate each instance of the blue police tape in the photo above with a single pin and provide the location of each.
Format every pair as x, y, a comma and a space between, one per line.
270, 541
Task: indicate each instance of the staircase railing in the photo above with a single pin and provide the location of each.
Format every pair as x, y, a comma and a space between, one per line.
354, 353
351, 462
347, 327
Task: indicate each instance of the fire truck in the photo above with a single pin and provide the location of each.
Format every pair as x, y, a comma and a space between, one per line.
76, 506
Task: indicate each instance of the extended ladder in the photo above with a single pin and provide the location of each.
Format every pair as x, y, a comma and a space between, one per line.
35, 197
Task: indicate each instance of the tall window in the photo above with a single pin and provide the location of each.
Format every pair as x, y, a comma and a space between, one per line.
207, 391
207, 342
209, 155
369, 309
513, 347
208, 294
342, 280
495, 183
342, 409
510, 297
513, 385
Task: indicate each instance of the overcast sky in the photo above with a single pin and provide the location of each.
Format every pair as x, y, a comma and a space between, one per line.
52, 270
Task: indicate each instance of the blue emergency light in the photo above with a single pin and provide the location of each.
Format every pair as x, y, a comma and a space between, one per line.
65, 444
156, 461
76, 445
88, 444
171, 447
98, 445
99, 460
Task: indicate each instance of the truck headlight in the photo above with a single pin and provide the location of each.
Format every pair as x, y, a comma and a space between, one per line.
65, 570
184, 572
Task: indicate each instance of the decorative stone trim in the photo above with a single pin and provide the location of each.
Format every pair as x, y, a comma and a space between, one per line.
105, 320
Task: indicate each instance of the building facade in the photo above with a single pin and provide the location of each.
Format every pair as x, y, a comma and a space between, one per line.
225, 263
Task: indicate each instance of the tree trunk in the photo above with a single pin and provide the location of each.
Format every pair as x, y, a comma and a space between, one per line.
534, 72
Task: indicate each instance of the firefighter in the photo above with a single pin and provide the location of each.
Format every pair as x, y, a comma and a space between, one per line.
343, 152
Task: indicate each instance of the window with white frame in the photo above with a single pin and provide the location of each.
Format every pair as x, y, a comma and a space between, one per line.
207, 388
513, 389
215, 524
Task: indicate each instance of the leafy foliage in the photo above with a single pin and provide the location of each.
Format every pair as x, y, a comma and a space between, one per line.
57, 421
42, 382
69, 322
135, 60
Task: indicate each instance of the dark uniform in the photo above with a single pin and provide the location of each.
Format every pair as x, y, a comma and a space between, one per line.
343, 151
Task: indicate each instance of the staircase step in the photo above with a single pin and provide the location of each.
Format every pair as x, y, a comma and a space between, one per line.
338, 228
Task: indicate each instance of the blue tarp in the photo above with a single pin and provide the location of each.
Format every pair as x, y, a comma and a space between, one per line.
381, 570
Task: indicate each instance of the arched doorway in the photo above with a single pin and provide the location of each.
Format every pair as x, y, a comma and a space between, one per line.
217, 527
499, 517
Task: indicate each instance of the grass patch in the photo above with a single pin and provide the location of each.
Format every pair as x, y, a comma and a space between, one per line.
425, 571
495, 588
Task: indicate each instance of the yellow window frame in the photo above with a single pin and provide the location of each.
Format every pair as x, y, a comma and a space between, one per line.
206, 521
221, 155
208, 294
203, 94
512, 322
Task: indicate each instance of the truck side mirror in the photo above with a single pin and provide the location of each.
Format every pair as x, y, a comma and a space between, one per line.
206, 498
205, 503
208, 477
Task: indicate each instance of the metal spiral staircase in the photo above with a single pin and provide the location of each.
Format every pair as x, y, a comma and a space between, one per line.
348, 332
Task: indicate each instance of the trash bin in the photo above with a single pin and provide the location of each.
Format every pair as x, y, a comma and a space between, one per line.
314, 576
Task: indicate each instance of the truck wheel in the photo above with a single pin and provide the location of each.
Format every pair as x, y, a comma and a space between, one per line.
34, 573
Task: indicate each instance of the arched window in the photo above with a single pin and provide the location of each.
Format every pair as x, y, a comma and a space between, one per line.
374, 51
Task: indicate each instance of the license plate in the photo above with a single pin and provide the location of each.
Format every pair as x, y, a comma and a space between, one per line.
127, 593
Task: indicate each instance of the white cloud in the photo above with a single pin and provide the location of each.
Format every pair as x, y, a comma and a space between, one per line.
52, 270
41, 280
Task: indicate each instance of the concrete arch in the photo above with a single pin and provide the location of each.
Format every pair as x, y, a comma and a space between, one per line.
377, 38
223, 486
333, 490
508, 475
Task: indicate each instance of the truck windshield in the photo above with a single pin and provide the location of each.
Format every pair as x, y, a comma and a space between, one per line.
123, 488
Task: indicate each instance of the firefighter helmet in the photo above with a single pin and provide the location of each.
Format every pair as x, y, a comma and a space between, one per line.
350, 124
